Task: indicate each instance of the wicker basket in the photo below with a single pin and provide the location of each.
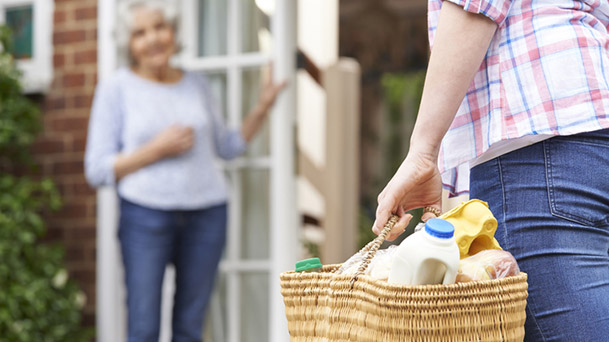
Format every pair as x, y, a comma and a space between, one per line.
329, 307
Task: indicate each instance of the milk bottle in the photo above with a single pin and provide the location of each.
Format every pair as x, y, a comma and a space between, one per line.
429, 256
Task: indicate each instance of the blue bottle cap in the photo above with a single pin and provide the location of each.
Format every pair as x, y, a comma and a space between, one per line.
439, 228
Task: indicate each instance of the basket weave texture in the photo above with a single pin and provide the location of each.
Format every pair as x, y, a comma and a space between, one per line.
328, 307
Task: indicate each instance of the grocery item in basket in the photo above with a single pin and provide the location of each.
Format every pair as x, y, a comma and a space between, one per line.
351, 265
379, 266
486, 265
309, 265
475, 227
429, 256
375, 311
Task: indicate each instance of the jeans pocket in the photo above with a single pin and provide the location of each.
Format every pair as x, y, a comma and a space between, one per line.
576, 178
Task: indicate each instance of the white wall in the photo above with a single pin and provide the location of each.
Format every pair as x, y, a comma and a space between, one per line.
318, 38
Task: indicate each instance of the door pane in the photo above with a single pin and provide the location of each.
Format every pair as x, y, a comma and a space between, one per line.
217, 81
255, 221
255, 28
252, 83
213, 19
214, 328
255, 307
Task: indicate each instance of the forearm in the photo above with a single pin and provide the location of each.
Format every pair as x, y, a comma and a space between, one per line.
461, 42
253, 122
129, 163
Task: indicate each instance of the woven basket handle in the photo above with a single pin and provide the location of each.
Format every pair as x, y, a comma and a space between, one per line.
373, 246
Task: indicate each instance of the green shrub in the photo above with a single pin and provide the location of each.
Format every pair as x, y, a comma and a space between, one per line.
38, 301
20, 117
401, 95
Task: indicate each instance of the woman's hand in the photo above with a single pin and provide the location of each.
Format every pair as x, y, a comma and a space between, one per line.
173, 141
270, 90
268, 95
417, 183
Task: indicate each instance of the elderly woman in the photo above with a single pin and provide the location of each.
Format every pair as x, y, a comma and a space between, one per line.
154, 133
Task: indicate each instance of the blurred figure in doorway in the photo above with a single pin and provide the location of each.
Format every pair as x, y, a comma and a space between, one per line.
154, 133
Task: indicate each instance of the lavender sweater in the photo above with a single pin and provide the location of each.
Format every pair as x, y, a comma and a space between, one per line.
129, 111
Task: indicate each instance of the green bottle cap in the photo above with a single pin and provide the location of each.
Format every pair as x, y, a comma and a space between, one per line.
308, 264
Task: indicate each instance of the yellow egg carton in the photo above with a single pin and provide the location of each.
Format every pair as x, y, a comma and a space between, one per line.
475, 227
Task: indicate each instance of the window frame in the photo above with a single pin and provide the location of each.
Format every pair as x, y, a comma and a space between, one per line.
38, 71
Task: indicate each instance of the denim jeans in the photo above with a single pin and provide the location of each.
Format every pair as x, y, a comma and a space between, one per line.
193, 241
551, 201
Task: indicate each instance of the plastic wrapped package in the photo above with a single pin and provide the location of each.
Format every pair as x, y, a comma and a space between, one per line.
350, 266
486, 265
379, 266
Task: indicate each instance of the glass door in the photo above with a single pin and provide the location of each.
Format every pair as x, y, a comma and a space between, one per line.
230, 41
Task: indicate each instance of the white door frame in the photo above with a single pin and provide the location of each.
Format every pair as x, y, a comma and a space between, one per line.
284, 217
111, 316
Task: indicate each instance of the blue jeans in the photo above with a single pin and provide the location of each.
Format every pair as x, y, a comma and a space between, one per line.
551, 201
150, 239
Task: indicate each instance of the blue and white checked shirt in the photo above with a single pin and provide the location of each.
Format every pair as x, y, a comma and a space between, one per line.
128, 111
546, 73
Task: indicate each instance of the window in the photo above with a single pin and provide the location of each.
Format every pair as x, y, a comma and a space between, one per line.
20, 20
31, 24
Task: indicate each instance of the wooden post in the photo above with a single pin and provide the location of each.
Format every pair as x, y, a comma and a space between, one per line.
342, 84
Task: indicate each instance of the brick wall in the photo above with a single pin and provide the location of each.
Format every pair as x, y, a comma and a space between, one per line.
60, 149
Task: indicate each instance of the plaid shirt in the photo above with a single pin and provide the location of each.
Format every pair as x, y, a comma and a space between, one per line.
545, 73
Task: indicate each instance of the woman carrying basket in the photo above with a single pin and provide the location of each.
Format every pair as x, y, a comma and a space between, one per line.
517, 95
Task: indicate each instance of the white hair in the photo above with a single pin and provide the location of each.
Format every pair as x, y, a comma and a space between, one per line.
124, 25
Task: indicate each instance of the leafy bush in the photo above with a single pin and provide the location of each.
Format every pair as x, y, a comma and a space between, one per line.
38, 301
20, 117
